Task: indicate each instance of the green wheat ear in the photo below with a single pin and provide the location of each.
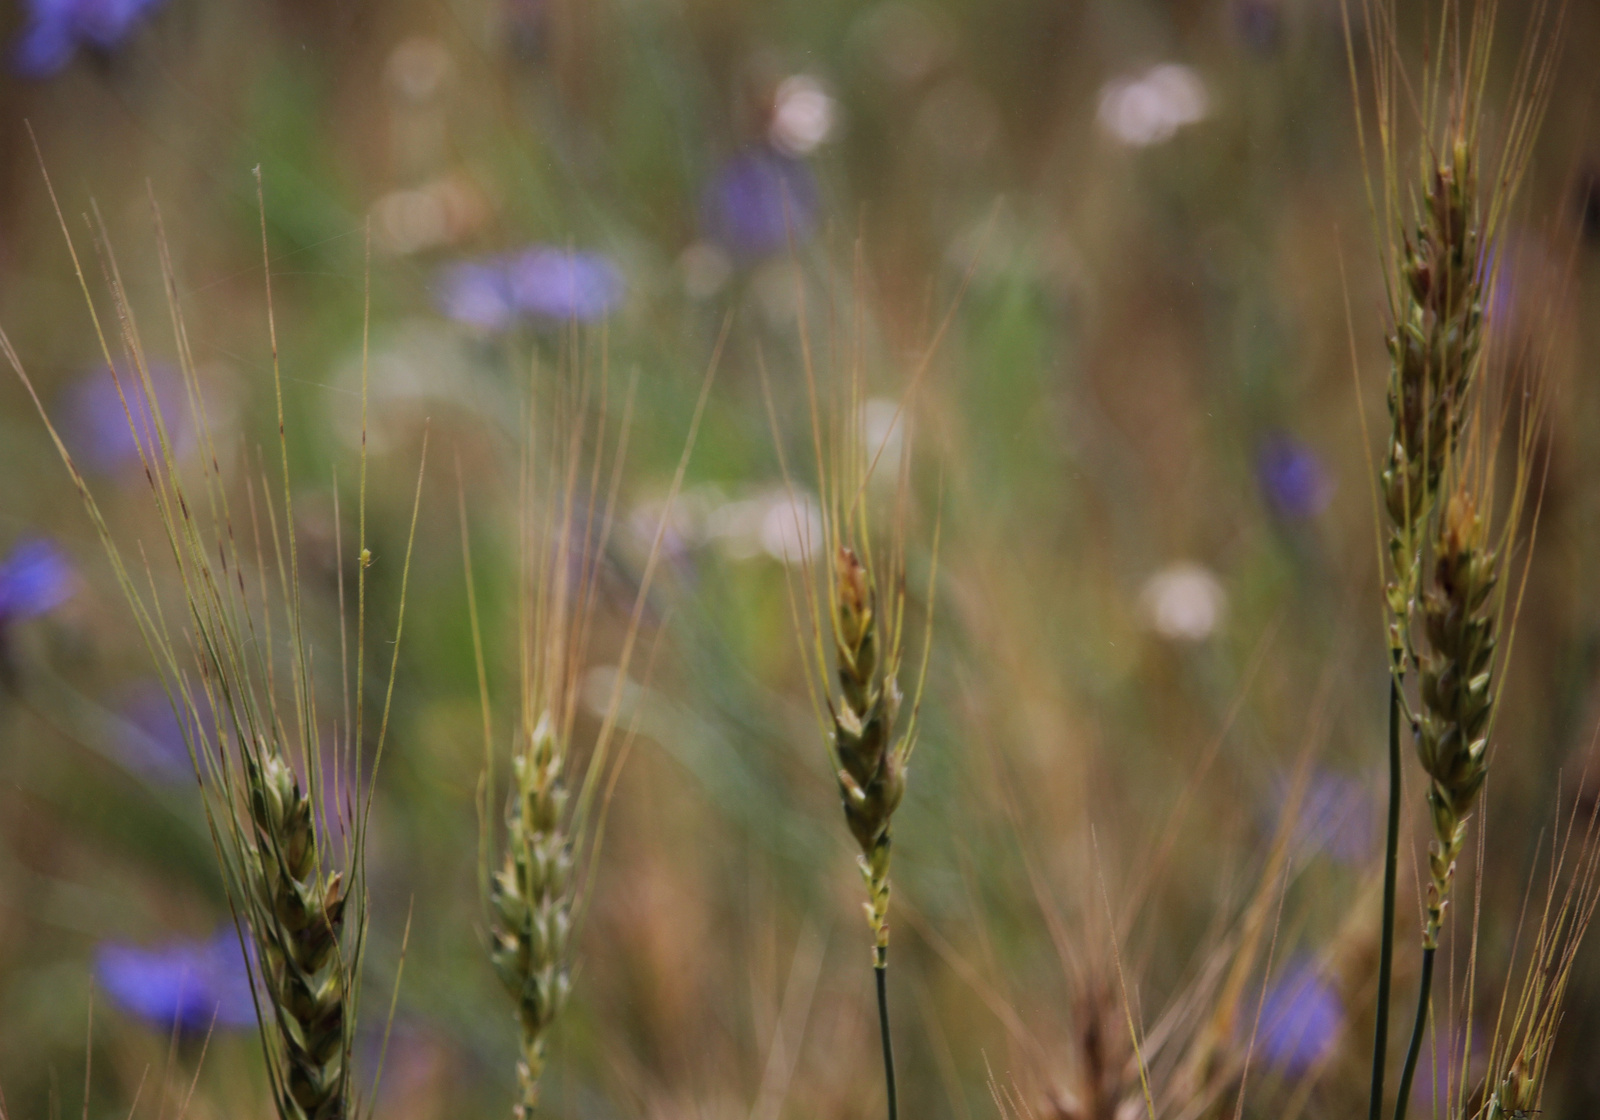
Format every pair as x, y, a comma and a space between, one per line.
553, 822
531, 902
257, 753
872, 762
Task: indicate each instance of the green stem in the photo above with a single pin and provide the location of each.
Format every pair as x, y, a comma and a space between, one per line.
1380, 1039
881, 972
1416, 1034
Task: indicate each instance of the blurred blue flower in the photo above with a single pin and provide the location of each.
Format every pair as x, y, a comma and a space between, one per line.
183, 982
1301, 1019
561, 284
35, 579
1292, 478
1336, 815
153, 743
95, 417
757, 199
1514, 265
541, 282
475, 293
55, 29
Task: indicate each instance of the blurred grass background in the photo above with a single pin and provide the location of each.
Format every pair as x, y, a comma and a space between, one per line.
1158, 580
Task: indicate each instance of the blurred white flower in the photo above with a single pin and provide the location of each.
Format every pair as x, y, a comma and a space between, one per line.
705, 269
770, 522
414, 367
735, 526
418, 68
1183, 603
791, 527
767, 522
803, 116
437, 214
1150, 108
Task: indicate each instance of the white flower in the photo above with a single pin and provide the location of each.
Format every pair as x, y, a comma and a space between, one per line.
1183, 603
769, 522
791, 527
1150, 108
705, 269
802, 116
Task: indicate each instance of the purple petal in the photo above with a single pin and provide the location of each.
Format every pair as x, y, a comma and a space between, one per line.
558, 284
56, 28
106, 426
757, 200
1301, 1019
476, 293
1292, 478
35, 579
154, 744
184, 982
1336, 815
105, 23
44, 48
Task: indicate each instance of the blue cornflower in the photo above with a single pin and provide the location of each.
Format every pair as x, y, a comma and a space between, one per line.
55, 29
560, 284
183, 982
1301, 1019
540, 282
1336, 815
1292, 478
35, 579
757, 199
96, 415
476, 293
153, 743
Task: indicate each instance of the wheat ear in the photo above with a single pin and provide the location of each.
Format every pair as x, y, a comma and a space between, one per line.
553, 822
307, 921
872, 772
1434, 353
531, 901
1440, 229
1457, 690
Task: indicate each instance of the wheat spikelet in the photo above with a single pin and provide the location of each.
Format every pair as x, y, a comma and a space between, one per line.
531, 900
1434, 351
872, 764
299, 926
1456, 680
